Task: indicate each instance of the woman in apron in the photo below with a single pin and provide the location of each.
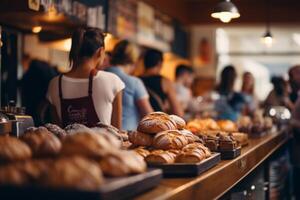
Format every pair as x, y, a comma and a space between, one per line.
84, 94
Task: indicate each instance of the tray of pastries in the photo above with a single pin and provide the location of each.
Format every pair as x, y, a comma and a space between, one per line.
164, 143
76, 162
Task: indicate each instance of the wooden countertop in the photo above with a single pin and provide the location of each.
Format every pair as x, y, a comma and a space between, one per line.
221, 178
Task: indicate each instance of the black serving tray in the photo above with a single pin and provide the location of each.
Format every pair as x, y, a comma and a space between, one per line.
188, 169
114, 188
230, 154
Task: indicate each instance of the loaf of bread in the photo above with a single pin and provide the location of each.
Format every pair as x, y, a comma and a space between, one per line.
122, 163
73, 128
74, 172
241, 138
191, 156
12, 149
11, 175
140, 139
56, 130
172, 139
156, 122
88, 144
142, 152
161, 157
180, 123
227, 126
42, 142
190, 136
193, 146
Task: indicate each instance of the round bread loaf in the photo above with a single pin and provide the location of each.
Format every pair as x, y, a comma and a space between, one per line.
172, 139
190, 136
56, 130
74, 172
12, 149
179, 121
227, 126
42, 142
11, 175
161, 157
142, 152
156, 122
140, 139
192, 156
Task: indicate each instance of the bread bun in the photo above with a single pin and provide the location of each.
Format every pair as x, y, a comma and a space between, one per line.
179, 121
12, 149
142, 151
172, 139
161, 157
190, 136
155, 123
140, 139
56, 130
192, 156
227, 125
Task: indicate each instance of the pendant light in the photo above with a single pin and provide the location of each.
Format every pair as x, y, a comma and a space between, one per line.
267, 38
225, 11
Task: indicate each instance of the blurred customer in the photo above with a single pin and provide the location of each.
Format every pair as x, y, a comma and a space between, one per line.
34, 85
84, 94
107, 61
279, 95
248, 92
184, 79
294, 80
161, 90
135, 97
230, 103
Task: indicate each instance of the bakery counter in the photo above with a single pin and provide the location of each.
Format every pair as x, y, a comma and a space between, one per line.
218, 180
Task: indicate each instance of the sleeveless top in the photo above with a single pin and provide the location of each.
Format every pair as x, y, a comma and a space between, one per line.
157, 95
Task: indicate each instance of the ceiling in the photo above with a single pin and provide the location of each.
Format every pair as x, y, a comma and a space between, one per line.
252, 11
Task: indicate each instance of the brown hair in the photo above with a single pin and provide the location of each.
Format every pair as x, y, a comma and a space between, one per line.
85, 42
124, 53
244, 84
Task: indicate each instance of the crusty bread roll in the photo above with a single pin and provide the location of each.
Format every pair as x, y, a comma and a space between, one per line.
197, 125
179, 121
156, 122
75, 172
42, 142
123, 163
227, 126
192, 156
241, 138
89, 144
12, 149
190, 136
142, 151
193, 146
56, 130
161, 157
172, 139
139, 138
10, 174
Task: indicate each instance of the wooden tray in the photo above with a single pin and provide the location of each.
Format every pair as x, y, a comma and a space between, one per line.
114, 188
228, 155
187, 169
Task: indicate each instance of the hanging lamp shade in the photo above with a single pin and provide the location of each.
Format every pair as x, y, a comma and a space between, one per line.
267, 38
225, 11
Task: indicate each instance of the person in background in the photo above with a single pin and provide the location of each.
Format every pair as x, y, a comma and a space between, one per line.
247, 90
161, 90
279, 95
135, 96
34, 85
184, 79
107, 61
84, 94
294, 81
230, 104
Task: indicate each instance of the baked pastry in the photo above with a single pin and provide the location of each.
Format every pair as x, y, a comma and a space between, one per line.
227, 143
104, 128
139, 138
123, 163
241, 138
74, 172
161, 157
56, 130
192, 146
244, 124
12, 149
194, 127
89, 144
142, 151
190, 136
212, 142
179, 121
227, 126
191, 156
42, 142
169, 140
73, 128
11, 175
156, 122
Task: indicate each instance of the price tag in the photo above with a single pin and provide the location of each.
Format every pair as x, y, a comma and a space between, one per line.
34, 4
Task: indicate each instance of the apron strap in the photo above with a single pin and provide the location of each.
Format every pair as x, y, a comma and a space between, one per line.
91, 77
59, 86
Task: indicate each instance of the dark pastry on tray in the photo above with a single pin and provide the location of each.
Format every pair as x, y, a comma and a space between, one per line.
12, 149
169, 140
191, 156
161, 157
140, 139
179, 121
122, 163
56, 130
42, 142
212, 142
74, 173
227, 143
156, 122
89, 144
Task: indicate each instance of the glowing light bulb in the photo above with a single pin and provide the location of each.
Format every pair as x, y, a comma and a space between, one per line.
225, 17
267, 39
36, 29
